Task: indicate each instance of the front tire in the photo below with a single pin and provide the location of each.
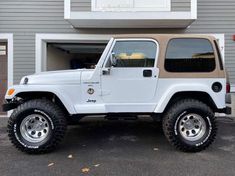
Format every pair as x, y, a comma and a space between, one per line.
190, 125
37, 126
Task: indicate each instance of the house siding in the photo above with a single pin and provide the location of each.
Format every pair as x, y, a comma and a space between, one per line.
180, 5
216, 16
25, 18
80, 5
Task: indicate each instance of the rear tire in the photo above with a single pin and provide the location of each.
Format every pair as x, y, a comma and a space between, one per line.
37, 126
190, 125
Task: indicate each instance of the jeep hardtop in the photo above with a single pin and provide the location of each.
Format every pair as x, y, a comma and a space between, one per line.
179, 80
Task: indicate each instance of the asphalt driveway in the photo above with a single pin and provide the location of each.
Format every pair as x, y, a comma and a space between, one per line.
125, 148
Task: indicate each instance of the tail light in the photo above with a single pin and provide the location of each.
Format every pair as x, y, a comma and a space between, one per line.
228, 88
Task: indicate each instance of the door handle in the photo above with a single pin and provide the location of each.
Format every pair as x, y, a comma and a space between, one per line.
147, 73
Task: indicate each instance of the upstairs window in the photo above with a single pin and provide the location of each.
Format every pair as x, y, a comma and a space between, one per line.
190, 55
131, 5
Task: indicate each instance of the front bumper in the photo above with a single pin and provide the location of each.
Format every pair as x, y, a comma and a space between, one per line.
7, 106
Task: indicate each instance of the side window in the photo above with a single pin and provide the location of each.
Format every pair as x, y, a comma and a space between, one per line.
134, 54
190, 55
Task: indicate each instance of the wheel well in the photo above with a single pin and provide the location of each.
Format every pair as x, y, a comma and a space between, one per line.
201, 96
26, 96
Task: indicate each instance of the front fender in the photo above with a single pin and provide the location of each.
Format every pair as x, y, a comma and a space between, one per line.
66, 93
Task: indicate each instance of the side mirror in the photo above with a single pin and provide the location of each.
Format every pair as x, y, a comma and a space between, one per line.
113, 59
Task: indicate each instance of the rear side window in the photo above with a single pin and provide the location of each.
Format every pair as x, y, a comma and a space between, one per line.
190, 55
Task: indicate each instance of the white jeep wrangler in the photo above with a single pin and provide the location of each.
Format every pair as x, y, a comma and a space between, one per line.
179, 79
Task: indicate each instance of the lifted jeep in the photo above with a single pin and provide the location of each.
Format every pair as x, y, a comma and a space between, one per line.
180, 79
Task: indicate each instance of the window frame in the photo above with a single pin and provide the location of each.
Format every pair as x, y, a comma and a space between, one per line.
133, 39
221, 64
212, 46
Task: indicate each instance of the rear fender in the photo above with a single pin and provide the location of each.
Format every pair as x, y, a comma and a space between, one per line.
166, 93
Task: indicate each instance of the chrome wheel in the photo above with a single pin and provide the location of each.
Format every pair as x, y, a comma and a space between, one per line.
192, 127
34, 128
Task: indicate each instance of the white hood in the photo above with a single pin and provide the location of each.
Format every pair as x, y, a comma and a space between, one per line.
57, 77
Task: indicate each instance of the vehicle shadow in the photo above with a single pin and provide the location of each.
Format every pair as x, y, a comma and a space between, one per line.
144, 134
106, 134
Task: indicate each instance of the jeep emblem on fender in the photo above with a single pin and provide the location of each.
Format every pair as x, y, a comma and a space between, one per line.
90, 91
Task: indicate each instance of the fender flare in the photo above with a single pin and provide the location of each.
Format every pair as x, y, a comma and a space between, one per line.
165, 98
65, 100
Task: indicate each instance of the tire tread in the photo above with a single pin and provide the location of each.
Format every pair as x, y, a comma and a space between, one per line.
58, 119
169, 122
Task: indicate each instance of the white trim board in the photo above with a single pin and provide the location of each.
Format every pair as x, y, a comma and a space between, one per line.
67, 9
232, 88
194, 9
43, 39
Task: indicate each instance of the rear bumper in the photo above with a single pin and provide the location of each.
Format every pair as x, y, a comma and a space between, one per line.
227, 110
228, 100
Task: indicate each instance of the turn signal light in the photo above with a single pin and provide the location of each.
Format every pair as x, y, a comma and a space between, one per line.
10, 91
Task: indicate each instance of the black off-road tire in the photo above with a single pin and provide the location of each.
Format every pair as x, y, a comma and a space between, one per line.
56, 122
179, 110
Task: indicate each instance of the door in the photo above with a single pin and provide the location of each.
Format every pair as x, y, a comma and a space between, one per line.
3, 73
129, 83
